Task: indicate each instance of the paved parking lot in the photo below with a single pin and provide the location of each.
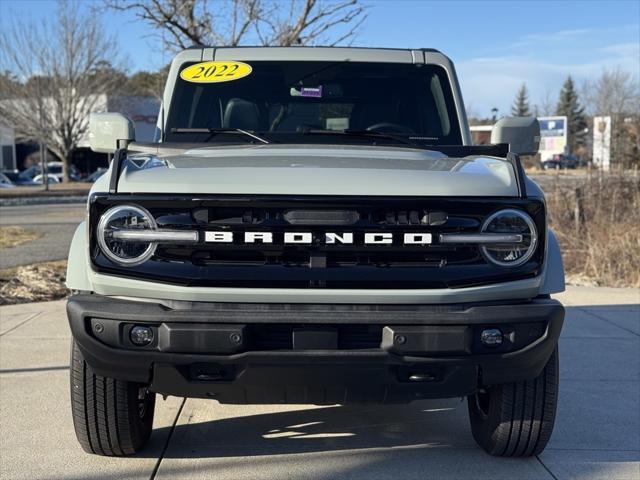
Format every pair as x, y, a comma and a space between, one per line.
597, 434
55, 223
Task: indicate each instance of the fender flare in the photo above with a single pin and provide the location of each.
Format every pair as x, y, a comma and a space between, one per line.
553, 276
78, 263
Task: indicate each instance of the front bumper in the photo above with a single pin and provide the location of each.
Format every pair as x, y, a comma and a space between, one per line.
315, 353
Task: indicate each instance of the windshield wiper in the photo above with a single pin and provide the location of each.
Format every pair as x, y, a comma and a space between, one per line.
215, 131
364, 133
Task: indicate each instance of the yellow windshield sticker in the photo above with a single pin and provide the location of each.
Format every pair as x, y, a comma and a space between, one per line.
215, 72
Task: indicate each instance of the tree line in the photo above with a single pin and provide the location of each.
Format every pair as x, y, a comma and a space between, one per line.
615, 93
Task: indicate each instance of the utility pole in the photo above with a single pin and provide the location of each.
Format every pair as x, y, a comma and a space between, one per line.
43, 165
43, 146
42, 161
45, 169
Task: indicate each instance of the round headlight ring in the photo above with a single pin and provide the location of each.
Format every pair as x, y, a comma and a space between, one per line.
103, 224
533, 232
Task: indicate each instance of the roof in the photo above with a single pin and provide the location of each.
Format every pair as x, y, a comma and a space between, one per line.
197, 47
309, 53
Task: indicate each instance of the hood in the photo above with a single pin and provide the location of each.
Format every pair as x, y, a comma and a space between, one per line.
313, 170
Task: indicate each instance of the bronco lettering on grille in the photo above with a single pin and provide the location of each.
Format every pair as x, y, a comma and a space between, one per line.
307, 238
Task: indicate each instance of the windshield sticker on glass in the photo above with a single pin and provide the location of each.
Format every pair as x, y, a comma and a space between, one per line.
307, 92
215, 72
311, 92
337, 123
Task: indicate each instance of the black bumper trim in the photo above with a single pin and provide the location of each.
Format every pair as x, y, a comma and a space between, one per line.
315, 376
89, 306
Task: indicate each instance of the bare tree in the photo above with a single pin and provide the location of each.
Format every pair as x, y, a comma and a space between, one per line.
472, 113
236, 22
62, 65
615, 92
546, 106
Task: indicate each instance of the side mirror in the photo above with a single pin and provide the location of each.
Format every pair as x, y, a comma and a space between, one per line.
110, 131
521, 133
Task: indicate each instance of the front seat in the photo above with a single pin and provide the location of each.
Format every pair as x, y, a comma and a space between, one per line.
242, 114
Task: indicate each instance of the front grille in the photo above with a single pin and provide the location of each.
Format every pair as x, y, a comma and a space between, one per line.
319, 265
239, 216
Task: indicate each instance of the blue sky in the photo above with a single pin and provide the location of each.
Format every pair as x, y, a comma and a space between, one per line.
496, 45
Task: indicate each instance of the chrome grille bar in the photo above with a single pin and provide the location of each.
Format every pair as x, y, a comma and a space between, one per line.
159, 236
481, 238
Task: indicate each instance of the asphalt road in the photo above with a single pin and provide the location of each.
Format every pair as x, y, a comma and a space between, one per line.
597, 433
56, 224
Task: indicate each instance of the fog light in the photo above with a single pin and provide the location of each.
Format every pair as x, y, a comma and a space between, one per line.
492, 337
141, 336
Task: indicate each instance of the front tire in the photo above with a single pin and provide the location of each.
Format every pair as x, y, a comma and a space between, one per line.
111, 417
516, 419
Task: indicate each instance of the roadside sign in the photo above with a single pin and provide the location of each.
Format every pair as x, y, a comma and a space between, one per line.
553, 136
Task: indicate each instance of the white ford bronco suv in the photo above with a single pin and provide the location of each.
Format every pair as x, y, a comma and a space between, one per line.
313, 225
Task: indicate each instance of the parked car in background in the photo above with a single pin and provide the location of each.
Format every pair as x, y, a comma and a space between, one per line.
16, 179
551, 165
561, 161
5, 182
53, 168
52, 179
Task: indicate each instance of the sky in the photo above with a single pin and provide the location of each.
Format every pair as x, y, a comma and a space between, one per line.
495, 45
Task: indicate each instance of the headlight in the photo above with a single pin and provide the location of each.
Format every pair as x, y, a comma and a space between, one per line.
510, 222
126, 219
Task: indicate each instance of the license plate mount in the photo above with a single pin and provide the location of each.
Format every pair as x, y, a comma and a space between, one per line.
315, 339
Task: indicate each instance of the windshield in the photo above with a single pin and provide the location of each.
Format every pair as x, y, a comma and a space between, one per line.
289, 101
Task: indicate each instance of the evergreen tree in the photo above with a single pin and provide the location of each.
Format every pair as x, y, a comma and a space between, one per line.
520, 106
569, 105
